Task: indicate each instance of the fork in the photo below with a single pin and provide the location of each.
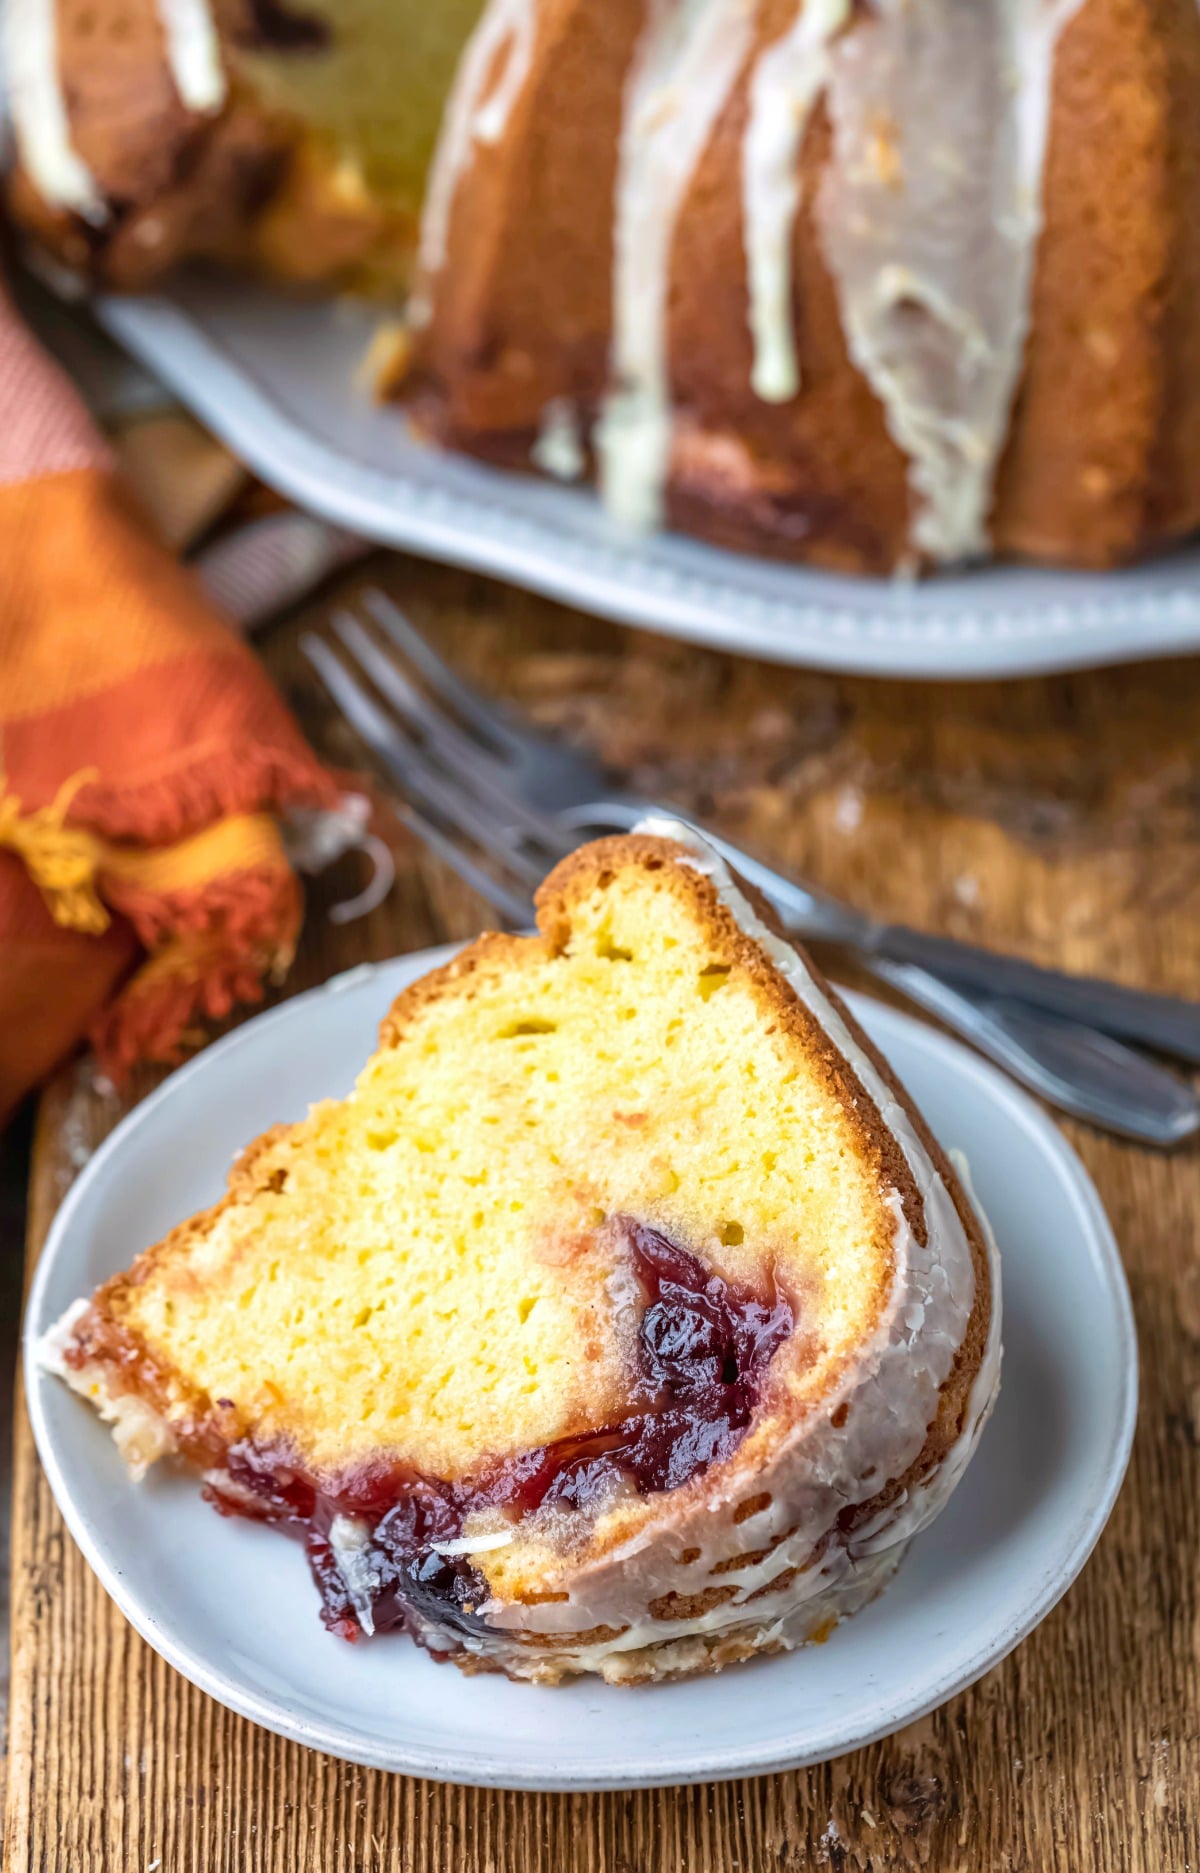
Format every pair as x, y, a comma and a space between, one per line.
500, 804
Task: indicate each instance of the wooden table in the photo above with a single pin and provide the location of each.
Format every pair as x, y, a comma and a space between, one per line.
1059, 818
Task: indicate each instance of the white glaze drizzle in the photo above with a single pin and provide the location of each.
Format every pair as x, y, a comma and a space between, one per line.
141, 1434
492, 116
474, 1544
787, 81
919, 1509
559, 450
685, 65
350, 1540
507, 27
54, 1342
930, 211
194, 54
39, 111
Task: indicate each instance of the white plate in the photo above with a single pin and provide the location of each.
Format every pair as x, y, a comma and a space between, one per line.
232, 1606
276, 379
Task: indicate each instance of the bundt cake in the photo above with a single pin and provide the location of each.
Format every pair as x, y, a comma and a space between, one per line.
878, 284
624, 1319
871, 283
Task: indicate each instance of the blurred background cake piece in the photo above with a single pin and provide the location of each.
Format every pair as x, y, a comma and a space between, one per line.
289, 135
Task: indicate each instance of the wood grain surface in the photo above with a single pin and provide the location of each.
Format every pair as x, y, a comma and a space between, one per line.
1057, 818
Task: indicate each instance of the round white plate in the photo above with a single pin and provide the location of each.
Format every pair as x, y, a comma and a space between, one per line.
279, 381
232, 1606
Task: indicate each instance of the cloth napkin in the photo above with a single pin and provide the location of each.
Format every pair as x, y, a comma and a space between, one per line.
146, 763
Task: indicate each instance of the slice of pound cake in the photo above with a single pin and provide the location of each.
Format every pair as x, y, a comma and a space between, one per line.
626, 1318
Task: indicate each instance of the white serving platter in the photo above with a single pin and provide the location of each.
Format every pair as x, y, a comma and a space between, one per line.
231, 1603
280, 381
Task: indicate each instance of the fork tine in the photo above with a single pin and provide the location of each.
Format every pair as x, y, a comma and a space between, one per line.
433, 795
485, 818
484, 717
516, 910
418, 710
462, 812
492, 779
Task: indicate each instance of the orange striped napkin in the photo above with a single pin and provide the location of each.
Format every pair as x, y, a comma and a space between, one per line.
145, 763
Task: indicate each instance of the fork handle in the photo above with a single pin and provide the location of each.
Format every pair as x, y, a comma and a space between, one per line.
1163, 1022
1073, 1067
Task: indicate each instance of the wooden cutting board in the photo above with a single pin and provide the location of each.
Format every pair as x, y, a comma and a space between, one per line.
1060, 818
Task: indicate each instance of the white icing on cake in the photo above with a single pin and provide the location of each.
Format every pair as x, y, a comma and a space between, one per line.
56, 1339
506, 31
685, 66
930, 213
350, 1539
786, 83
490, 119
234, 1490
474, 1544
39, 111
559, 449
194, 54
141, 1434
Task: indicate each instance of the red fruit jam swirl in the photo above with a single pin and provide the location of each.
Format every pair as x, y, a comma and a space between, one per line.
704, 1345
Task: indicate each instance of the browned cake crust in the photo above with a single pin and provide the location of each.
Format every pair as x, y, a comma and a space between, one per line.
1103, 460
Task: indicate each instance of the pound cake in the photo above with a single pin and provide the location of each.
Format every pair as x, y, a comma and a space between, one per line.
871, 283
624, 1319
875, 284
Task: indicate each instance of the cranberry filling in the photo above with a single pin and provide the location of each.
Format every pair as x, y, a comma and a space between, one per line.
703, 1348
